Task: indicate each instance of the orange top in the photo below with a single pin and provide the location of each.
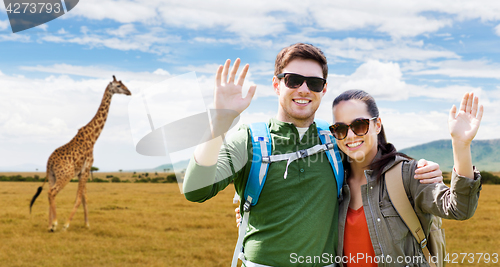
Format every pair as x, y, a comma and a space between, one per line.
357, 240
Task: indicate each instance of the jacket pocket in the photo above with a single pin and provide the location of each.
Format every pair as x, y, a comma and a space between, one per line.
394, 223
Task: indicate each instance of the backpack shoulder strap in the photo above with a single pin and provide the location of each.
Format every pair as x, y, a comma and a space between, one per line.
261, 150
399, 199
333, 154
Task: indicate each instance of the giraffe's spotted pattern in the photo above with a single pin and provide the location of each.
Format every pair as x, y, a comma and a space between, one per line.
76, 157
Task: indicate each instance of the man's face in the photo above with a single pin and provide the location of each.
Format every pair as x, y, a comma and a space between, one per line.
299, 105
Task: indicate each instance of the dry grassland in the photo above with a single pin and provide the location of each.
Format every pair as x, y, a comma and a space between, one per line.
130, 225
98, 174
154, 225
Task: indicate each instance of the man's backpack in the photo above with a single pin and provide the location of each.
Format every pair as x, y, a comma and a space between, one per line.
434, 247
262, 157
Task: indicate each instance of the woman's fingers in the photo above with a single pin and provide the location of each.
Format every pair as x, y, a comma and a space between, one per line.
475, 103
480, 113
453, 112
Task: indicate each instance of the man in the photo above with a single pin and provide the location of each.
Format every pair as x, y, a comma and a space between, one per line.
297, 213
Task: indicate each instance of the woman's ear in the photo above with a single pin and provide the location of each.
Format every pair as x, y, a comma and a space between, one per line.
378, 125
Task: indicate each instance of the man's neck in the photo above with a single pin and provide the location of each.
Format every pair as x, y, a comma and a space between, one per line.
297, 122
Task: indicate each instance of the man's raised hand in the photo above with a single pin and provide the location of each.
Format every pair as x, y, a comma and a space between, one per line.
228, 94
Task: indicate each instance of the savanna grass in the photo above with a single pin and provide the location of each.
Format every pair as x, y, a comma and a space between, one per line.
154, 225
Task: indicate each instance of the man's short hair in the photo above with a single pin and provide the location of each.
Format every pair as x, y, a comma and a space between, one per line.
301, 51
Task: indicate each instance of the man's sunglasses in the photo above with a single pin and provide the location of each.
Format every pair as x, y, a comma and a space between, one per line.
294, 81
359, 127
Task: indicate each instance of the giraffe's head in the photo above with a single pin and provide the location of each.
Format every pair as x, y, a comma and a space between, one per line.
117, 87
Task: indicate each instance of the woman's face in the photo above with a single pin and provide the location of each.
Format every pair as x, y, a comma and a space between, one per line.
358, 148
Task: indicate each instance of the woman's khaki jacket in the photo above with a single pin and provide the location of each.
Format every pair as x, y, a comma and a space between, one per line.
389, 235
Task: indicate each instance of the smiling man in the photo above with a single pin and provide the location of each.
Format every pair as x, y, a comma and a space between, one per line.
295, 222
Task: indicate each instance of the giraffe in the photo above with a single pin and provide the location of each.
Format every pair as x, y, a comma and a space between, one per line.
76, 158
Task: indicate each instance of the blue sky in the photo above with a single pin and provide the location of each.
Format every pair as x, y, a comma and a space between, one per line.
416, 58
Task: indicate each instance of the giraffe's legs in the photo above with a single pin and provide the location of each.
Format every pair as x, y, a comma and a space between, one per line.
78, 201
84, 202
80, 197
52, 208
85, 176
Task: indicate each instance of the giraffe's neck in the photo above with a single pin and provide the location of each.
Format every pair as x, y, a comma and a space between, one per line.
95, 126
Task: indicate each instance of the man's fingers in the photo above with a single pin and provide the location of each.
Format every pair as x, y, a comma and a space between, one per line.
427, 175
469, 103
243, 74
236, 65
225, 71
421, 163
218, 75
433, 180
251, 93
463, 104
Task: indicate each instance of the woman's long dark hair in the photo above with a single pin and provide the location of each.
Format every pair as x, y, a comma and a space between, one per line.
388, 150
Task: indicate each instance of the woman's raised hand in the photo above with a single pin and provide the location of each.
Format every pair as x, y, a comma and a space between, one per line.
228, 94
464, 124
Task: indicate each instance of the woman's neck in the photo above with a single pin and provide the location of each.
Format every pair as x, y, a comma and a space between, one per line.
358, 167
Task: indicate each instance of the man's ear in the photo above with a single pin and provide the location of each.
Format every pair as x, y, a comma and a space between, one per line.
324, 89
276, 85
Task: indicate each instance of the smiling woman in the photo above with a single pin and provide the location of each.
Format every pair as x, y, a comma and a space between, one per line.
367, 215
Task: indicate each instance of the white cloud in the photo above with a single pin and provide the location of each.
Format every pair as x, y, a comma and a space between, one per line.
207, 68
43, 27
497, 30
461, 68
152, 41
14, 38
161, 72
102, 72
4, 24
362, 49
123, 11
123, 30
406, 129
385, 81
266, 18
62, 31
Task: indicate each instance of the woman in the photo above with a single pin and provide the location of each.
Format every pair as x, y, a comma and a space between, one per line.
369, 224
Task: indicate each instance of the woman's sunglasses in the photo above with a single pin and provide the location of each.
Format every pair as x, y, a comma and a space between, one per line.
294, 81
359, 127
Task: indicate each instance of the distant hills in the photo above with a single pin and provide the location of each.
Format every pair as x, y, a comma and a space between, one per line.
178, 166
485, 154
181, 165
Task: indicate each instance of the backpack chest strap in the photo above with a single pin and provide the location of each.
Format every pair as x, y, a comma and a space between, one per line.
290, 157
